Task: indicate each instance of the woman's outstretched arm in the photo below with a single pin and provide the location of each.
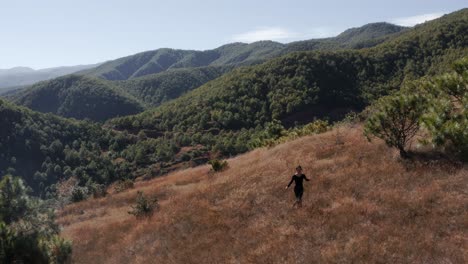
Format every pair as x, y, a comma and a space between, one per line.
292, 179
305, 178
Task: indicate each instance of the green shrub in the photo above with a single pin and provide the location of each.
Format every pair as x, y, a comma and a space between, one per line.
99, 190
315, 127
58, 249
218, 165
396, 118
28, 233
447, 118
79, 194
437, 104
144, 206
123, 185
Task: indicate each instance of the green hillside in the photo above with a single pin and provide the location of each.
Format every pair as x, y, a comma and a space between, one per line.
158, 88
156, 61
230, 113
44, 149
78, 97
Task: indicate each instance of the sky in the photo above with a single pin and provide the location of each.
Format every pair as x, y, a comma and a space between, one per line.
49, 33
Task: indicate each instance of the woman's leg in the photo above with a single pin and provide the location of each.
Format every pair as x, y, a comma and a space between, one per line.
298, 193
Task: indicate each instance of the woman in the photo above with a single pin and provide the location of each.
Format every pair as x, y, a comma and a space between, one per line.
298, 178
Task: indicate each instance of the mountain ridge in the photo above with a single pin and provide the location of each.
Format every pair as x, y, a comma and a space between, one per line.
154, 77
231, 53
22, 76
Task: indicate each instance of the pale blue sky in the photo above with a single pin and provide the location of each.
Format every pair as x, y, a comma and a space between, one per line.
48, 33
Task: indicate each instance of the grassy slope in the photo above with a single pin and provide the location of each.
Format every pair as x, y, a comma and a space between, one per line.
362, 206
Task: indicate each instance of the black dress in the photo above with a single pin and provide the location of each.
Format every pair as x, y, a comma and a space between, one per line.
298, 188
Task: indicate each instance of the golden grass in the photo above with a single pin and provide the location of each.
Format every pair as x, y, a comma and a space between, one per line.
362, 205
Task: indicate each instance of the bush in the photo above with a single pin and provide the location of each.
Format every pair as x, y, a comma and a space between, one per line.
315, 127
218, 165
437, 104
144, 206
99, 190
396, 118
447, 118
124, 185
79, 194
58, 249
28, 233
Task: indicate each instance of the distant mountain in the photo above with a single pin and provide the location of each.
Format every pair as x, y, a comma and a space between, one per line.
236, 54
368, 32
79, 97
157, 61
354, 38
154, 77
21, 76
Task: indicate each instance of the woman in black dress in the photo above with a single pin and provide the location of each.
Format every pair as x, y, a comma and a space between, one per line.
298, 178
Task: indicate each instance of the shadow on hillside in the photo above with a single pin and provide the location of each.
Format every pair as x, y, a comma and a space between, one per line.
433, 159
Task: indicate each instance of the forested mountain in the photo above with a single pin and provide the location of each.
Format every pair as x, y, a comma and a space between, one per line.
21, 76
155, 77
158, 88
354, 38
228, 113
79, 97
236, 54
156, 61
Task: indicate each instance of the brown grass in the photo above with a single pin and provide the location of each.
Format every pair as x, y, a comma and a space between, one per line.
362, 205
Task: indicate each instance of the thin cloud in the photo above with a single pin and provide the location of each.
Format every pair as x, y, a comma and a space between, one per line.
281, 34
414, 20
267, 33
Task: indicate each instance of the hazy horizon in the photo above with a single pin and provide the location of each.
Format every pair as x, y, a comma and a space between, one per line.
54, 33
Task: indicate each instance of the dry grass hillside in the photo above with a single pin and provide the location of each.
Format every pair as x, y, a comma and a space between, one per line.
362, 205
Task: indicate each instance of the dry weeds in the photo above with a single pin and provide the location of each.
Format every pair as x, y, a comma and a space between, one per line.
362, 205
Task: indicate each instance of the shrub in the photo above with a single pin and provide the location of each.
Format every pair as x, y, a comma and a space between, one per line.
218, 165
99, 190
447, 118
144, 206
396, 118
124, 185
315, 127
58, 249
78, 194
28, 233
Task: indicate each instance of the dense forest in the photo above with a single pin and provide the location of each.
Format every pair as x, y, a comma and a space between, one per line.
158, 88
44, 149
